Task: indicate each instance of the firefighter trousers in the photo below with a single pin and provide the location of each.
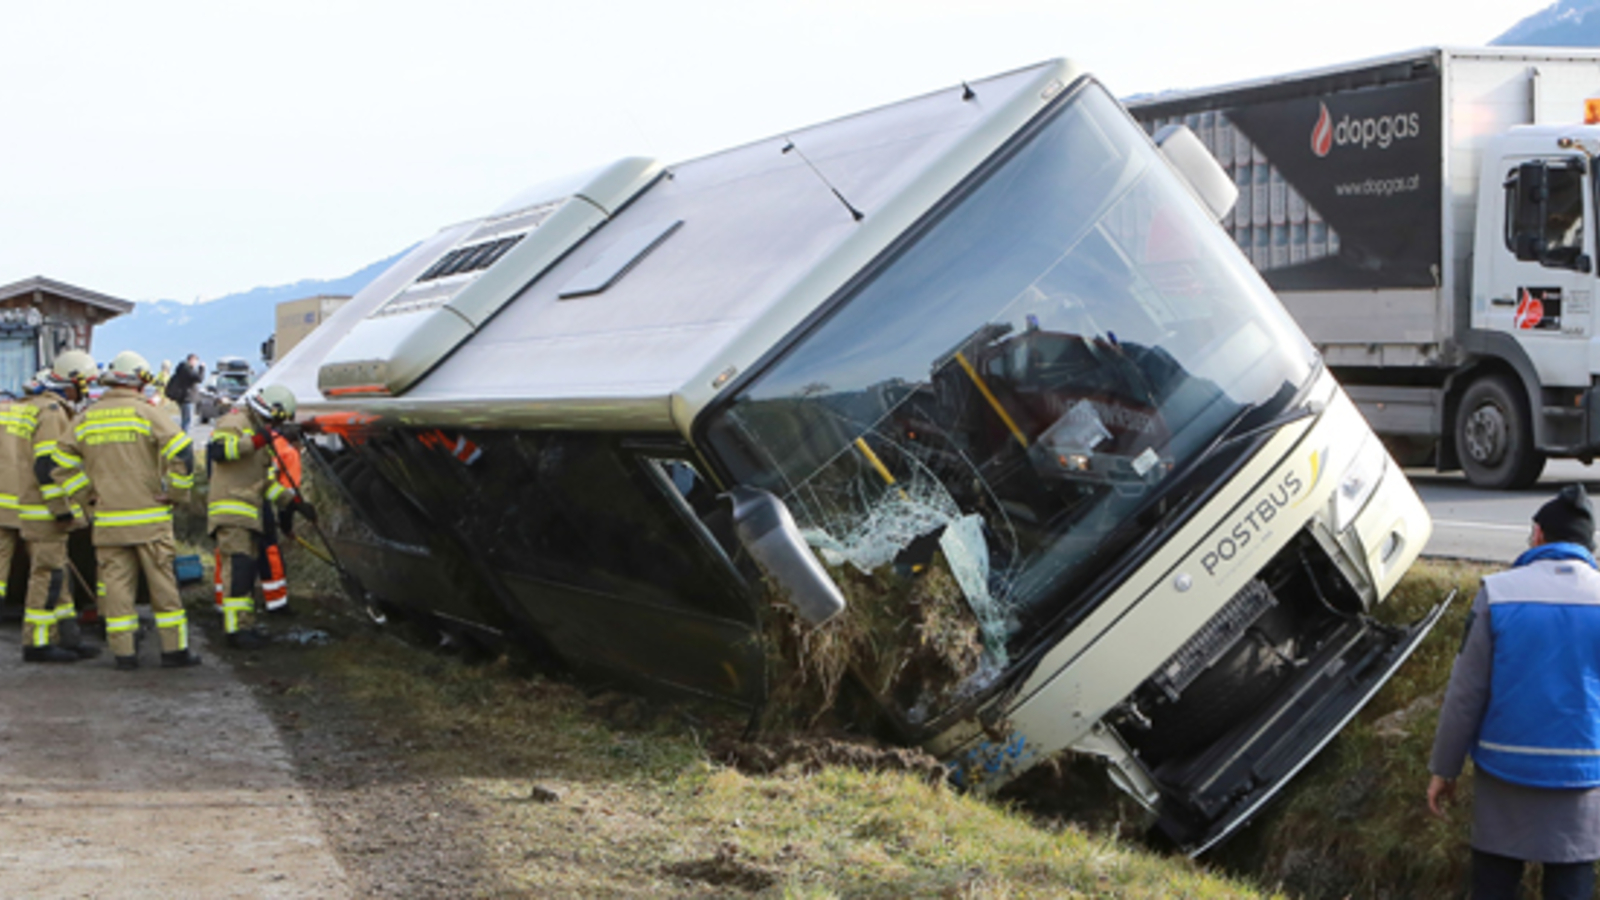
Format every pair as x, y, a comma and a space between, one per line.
236, 554
49, 598
119, 571
269, 569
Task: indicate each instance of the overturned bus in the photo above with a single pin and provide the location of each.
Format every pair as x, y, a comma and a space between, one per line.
978, 363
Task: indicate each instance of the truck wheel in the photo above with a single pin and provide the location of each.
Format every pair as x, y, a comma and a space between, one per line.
1494, 435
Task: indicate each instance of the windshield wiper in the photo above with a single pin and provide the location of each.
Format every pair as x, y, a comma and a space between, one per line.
1288, 416
1227, 436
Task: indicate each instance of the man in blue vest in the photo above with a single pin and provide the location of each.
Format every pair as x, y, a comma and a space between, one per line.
1524, 700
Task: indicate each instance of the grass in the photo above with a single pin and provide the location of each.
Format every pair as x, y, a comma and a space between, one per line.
578, 795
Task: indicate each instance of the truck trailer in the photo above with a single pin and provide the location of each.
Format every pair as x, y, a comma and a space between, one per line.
1429, 219
972, 384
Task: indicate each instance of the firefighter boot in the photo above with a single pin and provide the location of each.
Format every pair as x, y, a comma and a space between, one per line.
49, 653
248, 639
180, 659
72, 639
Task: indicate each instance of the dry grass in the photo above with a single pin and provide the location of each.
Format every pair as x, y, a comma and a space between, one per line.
611, 796
913, 642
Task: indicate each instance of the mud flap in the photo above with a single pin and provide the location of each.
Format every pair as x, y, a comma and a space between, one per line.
1208, 797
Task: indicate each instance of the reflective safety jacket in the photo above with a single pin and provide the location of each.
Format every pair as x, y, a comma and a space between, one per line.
241, 474
40, 499
16, 456
136, 461
1542, 725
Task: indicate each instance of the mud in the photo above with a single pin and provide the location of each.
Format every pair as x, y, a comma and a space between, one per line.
397, 832
812, 754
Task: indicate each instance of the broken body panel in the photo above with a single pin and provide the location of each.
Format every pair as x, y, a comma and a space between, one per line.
1080, 480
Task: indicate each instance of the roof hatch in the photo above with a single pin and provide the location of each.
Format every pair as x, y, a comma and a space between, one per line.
489, 264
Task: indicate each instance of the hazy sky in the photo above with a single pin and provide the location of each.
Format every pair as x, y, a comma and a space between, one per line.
177, 150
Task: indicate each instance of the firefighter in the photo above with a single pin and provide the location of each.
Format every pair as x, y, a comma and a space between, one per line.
138, 464
47, 517
243, 474
269, 562
274, 578
14, 450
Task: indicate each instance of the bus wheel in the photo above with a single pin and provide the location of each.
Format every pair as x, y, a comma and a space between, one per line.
1494, 435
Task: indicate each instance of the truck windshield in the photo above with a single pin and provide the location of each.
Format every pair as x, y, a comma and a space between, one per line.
1038, 365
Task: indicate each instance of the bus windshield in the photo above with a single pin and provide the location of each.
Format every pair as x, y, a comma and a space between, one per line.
1004, 392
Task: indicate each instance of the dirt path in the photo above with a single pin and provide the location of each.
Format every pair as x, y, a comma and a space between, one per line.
156, 783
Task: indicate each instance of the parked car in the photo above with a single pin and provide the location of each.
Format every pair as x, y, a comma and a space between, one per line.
225, 386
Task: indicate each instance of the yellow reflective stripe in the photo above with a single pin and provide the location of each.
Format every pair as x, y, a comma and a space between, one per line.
275, 491
120, 624
181, 481
133, 517
237, 603
40, 621
176, 445
52, 491
131, 424
8, 501
66, 611
230, 445
67, 460
99, 588
76, 483
29, 512
167, 619
44, 448
231, 508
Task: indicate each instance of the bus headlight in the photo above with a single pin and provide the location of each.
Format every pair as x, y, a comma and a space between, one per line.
1358, 482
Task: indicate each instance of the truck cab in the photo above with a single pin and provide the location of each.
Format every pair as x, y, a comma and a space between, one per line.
1428, 219
1533, 288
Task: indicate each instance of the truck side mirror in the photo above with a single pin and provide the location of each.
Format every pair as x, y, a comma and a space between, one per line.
767, 530
1530, 191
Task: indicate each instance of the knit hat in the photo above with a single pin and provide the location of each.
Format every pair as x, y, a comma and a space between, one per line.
1568, 517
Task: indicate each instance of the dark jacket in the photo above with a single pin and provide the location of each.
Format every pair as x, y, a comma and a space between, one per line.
184, 381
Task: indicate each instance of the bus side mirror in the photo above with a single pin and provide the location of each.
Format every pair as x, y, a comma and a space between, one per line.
1530, 189
768, 531
1198, 169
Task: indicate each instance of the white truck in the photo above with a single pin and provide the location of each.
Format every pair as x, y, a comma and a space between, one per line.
1429, 220
973, 382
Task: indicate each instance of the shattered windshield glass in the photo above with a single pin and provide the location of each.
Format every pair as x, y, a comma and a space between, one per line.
998, 400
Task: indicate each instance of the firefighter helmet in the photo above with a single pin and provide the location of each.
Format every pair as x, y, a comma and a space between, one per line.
73, 368
128, 369
273, 403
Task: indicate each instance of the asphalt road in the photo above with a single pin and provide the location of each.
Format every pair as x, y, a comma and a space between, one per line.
1492, 526
150, 784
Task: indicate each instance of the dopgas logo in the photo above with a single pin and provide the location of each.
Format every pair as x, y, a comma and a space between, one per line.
1376, 131
1288, 489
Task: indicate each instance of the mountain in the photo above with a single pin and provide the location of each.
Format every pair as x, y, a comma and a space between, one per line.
1567, 23
234, 325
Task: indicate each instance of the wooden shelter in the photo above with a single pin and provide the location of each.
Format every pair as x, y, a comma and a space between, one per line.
40, 317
